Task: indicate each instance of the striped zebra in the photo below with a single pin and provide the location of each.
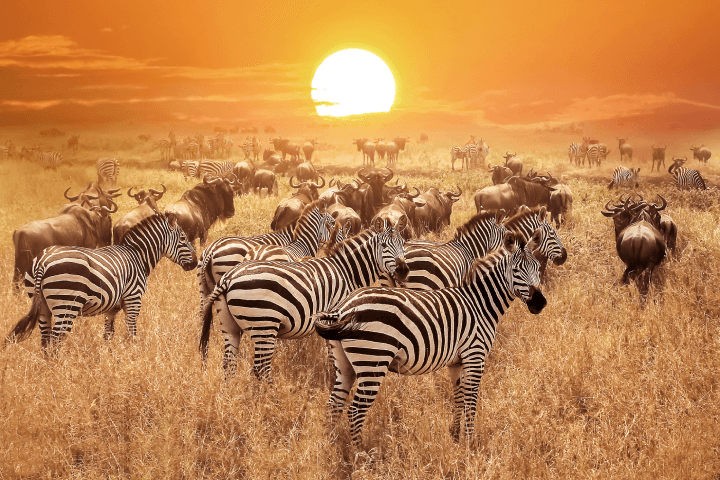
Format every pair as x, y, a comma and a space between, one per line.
4, 152
48, 159
458, 152
376, 330
70, 281
624, 178
473, 153
596, 153
271, 300
686, 178
214, 168
166, 148
576, 152
433, 266
108, 170
247, 148
310, 231
190, 168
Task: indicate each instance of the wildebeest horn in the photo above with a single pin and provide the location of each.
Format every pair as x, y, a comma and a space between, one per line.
214, 181
391, 174
363, 176
614, 208
133, 196
112, 193
409, 195
332, 183
507, 153
297, 185
456, 194
103, 208
158, 195
490, 169
659, 208
323, 182
72, 199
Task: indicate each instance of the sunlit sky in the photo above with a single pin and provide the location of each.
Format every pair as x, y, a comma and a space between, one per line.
515, 63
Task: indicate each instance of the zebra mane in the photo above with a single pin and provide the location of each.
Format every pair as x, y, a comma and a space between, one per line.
481, 267
306, 211
518, 218
156, 217
468, 226
361, 237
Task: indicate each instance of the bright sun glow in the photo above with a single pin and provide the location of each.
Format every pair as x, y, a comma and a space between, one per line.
351, 82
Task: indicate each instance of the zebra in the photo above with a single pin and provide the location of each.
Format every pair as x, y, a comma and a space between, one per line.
311, 229
190, 168
4, 152
458, 152
166, 147
624, 178
473, 153
576, 152
108, 170
272, 300
247, 148
433, 266
686, 178
214, 168
596, 153
376, 330
68, 282
48, 159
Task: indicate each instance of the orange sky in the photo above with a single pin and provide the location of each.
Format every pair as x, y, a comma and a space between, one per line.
514, 64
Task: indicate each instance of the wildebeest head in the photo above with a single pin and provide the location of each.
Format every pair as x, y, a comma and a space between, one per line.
508, 156
224, 187
279, 143
376, 178
401, 142
150, 198
499, 174
658, 152
677, 163
359, 142
308, 189
623, 213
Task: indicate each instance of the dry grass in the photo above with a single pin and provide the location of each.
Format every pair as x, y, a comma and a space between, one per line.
597, 386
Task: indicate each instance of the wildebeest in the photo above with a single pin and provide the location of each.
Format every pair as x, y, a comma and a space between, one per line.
514, 192
435, 214
309, 148
701, 153
402, 211
394, 148
625, 149
244, 172
381, 148
199, 208
263, 179
658, 155
290, 209
560, 204
287, 148
73, 143
79, 224
345, 215
368, 149
500, 173
513, 164
147, 207
306, 171
373, 199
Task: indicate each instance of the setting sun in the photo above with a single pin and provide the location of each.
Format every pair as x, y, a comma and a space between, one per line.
351, 82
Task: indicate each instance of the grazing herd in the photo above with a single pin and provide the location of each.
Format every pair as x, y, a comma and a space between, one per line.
385, 299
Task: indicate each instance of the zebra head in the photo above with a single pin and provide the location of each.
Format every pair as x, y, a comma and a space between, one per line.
551, 247
390, 253
176, 246
523, 273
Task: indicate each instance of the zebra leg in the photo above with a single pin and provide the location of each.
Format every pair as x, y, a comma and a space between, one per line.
231, 333
455, 371
369, 381
264, 342
110, 324
472, 372
131, 307
344, 380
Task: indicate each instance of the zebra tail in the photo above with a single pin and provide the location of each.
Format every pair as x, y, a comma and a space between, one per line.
329, 328
24, 328
207, 319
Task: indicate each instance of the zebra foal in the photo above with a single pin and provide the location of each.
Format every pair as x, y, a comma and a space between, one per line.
376, 330
68, 282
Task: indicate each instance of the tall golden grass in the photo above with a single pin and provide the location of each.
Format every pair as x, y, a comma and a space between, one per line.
598, 385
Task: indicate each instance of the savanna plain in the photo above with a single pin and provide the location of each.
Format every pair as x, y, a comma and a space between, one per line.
599, 385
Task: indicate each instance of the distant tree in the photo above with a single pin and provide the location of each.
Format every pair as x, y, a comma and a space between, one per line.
423, 138
235, 129
52, 132
269, 129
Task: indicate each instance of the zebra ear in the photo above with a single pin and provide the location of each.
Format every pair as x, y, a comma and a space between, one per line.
347, 228
401, 223
535, 240
379, 225
509, 242
172, 220
542, 213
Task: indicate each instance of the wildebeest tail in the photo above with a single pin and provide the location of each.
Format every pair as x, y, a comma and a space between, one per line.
25, 326
330, 327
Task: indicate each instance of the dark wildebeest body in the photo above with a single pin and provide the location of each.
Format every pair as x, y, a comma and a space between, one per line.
373, 197
74, 226
435, 214
381, 148
701, 153
560, 204
343, 215
500, 173
147, 207
309, 149
290, 209
658, 155
496, 197
642, 248
368, 149
264, 179
403, 208
199, 208
514, 164
625, 149
306, 172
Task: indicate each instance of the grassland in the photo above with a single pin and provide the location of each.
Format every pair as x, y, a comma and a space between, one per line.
596, 386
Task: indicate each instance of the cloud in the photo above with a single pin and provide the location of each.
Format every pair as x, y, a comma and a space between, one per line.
267, 71
621, 105
107, 30
536, 103
111, 86
59, 51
